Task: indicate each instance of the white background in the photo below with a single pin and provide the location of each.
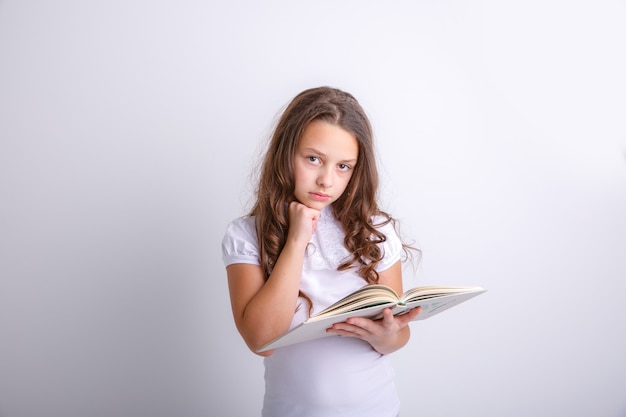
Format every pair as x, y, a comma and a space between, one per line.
128, 134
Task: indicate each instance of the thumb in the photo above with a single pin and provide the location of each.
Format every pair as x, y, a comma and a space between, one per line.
388, 317
409, 316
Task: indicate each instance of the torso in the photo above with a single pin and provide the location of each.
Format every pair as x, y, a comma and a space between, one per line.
333, 376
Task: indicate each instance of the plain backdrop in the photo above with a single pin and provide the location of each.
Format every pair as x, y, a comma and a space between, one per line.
129, 133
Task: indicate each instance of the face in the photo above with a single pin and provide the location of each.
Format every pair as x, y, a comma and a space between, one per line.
323, 164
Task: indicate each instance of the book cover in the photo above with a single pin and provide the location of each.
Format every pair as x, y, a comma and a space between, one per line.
369, 302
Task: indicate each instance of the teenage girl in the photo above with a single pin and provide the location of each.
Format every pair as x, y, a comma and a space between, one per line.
314, 235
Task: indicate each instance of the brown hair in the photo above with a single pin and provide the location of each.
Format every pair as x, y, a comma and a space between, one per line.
355, 209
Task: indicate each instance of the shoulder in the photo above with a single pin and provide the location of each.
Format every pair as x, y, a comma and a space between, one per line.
241, 227
240, 244
386, 225
392, 245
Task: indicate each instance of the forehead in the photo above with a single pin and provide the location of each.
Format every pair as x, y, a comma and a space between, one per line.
329, 139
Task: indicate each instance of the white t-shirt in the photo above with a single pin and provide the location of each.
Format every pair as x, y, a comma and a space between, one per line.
333, 376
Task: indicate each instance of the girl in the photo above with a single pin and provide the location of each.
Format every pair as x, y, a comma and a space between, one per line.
314, 235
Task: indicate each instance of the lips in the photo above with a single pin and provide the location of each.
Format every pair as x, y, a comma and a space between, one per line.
320, 196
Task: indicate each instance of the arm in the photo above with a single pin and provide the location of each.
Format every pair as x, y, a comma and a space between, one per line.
263, 309
389, 333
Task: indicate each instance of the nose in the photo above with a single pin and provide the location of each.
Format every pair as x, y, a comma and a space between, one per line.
325, 178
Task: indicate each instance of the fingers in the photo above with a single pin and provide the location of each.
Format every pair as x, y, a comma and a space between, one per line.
298, 211
302, 221
362, 326
404, 319
353, 327
385, 335
389, 320
359, 326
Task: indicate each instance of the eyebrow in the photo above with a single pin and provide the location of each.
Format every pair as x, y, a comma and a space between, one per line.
315, 151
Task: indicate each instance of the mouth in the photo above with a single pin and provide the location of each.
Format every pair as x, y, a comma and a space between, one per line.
319, 196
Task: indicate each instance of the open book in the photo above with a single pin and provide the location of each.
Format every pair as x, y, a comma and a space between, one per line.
369, 301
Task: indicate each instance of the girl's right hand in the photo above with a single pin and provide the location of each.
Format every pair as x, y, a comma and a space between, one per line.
302, 222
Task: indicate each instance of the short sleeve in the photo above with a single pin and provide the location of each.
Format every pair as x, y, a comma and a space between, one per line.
239, 245
392, 247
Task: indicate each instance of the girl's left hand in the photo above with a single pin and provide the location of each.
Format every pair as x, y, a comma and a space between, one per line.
382, 334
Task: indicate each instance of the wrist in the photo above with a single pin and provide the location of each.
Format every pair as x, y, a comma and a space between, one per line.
296, 245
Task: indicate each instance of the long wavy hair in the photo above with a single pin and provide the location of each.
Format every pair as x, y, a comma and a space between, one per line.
357, 207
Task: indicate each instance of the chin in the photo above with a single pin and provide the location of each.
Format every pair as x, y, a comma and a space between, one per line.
317, 205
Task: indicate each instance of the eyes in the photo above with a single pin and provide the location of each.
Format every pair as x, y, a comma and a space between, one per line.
315, 160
